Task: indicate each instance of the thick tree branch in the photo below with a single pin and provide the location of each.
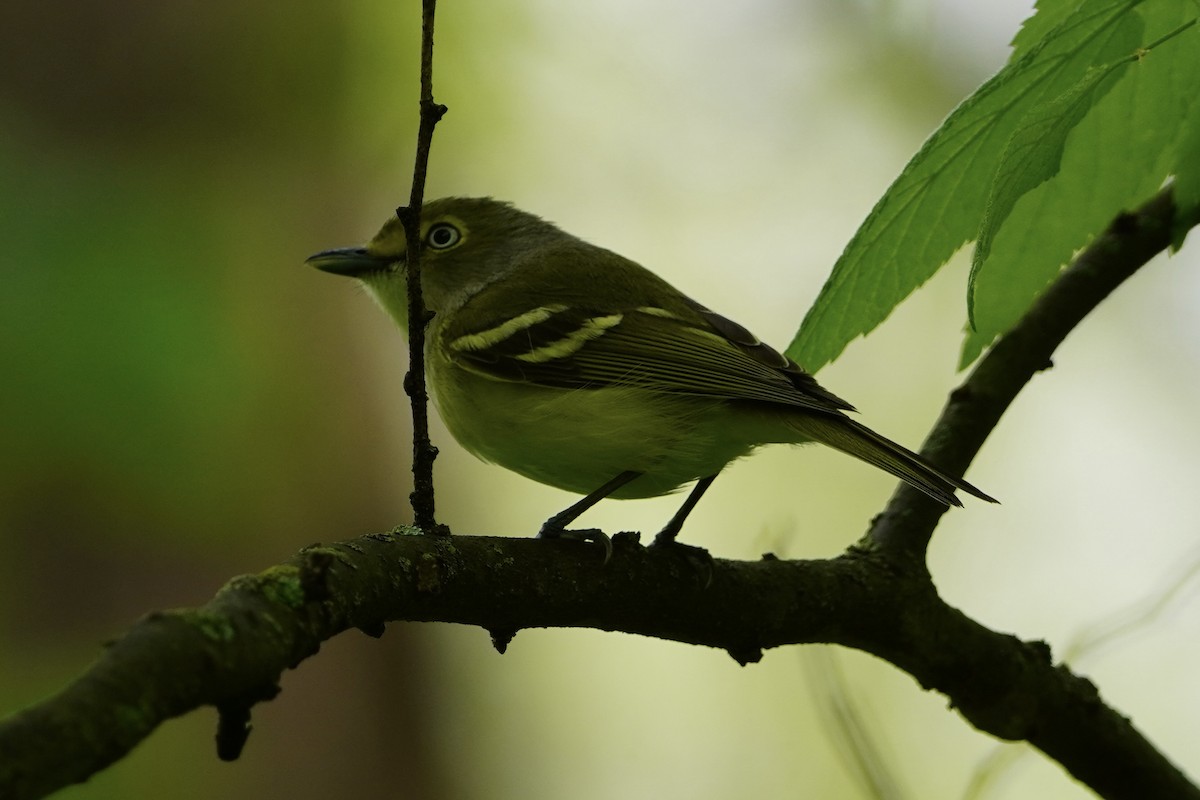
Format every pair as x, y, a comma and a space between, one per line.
233, 650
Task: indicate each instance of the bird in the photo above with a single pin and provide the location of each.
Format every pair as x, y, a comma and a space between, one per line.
579, 368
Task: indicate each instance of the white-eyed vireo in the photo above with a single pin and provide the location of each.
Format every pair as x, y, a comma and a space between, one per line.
573, 366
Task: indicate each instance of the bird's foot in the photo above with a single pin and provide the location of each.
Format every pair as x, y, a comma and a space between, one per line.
551, 531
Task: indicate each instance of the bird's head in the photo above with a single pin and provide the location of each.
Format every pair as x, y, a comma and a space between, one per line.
467, 243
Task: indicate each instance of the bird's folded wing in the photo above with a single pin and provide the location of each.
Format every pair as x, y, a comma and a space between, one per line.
685, 350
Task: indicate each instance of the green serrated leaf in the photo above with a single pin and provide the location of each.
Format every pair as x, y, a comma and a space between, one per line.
1047, 15
1115, 159
1033, 155
1187, 177
934, 207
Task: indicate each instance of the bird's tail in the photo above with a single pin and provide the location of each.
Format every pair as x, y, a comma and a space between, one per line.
848, 436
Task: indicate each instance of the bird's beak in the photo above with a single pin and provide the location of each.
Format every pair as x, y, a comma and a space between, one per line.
353, 262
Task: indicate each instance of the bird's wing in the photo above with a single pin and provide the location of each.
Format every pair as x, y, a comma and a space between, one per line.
686, 349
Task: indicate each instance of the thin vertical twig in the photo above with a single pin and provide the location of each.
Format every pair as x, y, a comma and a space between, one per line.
424, 452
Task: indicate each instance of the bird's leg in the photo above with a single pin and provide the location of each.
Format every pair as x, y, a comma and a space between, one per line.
665, 540
666, 537
556, 526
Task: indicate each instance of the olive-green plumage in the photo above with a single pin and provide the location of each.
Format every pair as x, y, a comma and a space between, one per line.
574, 366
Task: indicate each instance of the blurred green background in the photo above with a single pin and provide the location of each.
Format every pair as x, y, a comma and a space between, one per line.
184, 400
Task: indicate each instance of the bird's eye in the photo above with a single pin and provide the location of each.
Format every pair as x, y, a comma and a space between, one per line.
443, 236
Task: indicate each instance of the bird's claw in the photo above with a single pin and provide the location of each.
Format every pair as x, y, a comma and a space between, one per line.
583, 535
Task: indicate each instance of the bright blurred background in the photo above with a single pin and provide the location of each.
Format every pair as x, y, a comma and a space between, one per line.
185, 401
